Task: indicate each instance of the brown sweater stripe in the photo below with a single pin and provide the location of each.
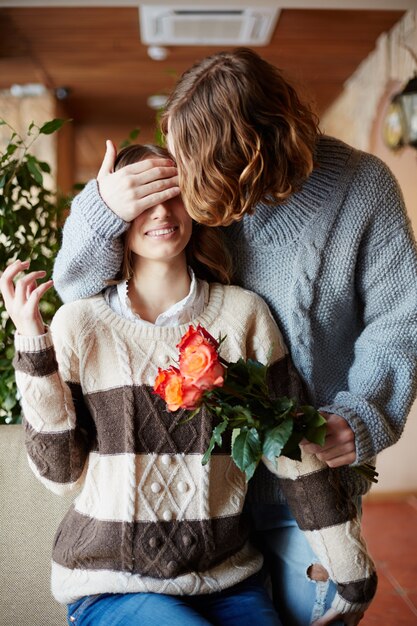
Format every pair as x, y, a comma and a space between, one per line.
324, 502
60, 457
160, 549
359, 590
42, 363
83, 414
284, 380
155, 430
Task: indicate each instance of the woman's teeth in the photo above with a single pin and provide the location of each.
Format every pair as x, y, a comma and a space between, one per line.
160, 232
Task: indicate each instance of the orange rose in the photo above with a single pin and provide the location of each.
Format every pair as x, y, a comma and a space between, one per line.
199, 361
197, 336
170, 385
191, 396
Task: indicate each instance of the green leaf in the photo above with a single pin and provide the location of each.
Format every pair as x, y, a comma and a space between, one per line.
134, 134
33, 169
316, 425
2, 122
9, 402
190, 416
316, 434
313, 416
276, 438
235, 433
79, 186
250, 470
247, 451
292, 448
44, 167
10, 352
216, 438
218, 431
241, 414
283, 405
11, 149
53, 125
257, 372
239, 371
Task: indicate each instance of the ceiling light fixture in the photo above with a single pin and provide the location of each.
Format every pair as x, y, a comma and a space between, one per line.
28, 90
157, 53
157, 101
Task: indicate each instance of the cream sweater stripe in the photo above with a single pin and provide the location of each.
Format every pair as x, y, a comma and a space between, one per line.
341, 547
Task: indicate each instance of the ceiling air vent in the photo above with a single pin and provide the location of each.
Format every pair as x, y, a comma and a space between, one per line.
210, 26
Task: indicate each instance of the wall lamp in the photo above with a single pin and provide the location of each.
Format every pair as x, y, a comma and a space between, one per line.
400, 123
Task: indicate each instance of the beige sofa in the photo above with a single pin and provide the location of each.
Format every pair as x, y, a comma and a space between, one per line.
29, 516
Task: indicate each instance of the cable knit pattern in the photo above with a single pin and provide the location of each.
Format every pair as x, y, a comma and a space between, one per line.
150, 516
128, 408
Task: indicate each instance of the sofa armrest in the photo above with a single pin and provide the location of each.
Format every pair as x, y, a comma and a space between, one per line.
29, 517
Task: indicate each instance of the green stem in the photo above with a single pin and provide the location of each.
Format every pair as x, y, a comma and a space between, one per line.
368, 471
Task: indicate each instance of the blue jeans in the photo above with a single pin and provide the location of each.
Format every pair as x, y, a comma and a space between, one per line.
298, 599
245, 604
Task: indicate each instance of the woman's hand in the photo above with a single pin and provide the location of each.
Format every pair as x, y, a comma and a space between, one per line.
349, 619
137, 187
22, 299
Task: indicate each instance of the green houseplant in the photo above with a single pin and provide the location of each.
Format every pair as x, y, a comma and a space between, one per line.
30, 216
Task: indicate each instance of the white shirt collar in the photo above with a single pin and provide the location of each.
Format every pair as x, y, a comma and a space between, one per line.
181, 312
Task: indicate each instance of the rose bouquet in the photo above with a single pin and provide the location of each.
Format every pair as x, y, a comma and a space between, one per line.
238, 397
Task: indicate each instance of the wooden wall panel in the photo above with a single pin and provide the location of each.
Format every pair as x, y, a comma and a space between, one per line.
97, 54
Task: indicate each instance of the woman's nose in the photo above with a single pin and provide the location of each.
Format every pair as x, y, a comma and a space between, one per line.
160, 210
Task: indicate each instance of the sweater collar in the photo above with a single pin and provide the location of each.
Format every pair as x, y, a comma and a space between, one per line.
284, 223
213, 294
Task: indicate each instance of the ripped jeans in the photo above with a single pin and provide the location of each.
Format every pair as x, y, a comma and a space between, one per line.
244, 604
298, 599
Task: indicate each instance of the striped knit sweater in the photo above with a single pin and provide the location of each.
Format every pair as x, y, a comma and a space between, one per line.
149, 516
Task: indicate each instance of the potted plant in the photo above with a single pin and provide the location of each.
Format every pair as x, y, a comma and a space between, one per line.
30, 216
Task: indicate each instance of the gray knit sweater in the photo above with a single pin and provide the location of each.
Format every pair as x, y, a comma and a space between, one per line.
336, 263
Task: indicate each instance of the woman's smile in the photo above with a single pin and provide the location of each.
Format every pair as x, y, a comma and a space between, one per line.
161, 232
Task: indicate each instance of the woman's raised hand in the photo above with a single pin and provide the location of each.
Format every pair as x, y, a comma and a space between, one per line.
137, 187
21, 298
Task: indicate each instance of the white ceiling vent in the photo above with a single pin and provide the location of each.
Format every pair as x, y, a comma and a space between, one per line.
206, 26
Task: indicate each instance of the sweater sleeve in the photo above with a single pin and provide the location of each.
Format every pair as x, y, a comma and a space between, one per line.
331, 524
382, 380
58, 429
92, 248
327, 516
